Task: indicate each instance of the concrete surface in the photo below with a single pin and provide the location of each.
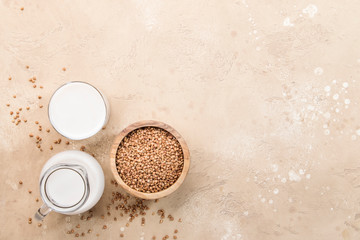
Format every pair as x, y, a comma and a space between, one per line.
266, 94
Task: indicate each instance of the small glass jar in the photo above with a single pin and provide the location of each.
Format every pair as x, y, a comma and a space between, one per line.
71, 182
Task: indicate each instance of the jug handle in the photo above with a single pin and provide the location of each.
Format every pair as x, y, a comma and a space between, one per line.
42, 212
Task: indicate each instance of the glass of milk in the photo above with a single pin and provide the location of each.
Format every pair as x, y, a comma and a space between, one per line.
71, 182
78, 110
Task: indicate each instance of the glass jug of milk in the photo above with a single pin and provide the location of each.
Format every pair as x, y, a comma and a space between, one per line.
71, 182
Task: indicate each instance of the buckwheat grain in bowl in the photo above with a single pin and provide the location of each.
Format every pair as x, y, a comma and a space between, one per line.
149, 159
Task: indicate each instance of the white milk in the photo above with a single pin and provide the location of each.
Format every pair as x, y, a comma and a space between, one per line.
71, 182
78, 110
65, 187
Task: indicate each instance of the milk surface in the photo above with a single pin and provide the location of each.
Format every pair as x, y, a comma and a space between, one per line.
65, 187
77, 110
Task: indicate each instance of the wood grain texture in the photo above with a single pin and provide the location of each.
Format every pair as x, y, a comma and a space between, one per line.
141, 124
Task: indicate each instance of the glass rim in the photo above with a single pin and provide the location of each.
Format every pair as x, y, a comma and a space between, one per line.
48, 201
51, 199
106, 104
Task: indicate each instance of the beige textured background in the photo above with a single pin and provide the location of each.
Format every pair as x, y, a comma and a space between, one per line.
265, 92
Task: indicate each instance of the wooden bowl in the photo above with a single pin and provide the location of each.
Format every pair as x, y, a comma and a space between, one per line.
149, 123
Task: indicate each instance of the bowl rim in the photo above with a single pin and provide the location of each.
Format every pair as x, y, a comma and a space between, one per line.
141, 124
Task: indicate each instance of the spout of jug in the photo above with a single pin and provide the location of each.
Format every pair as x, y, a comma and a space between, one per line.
42, 212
